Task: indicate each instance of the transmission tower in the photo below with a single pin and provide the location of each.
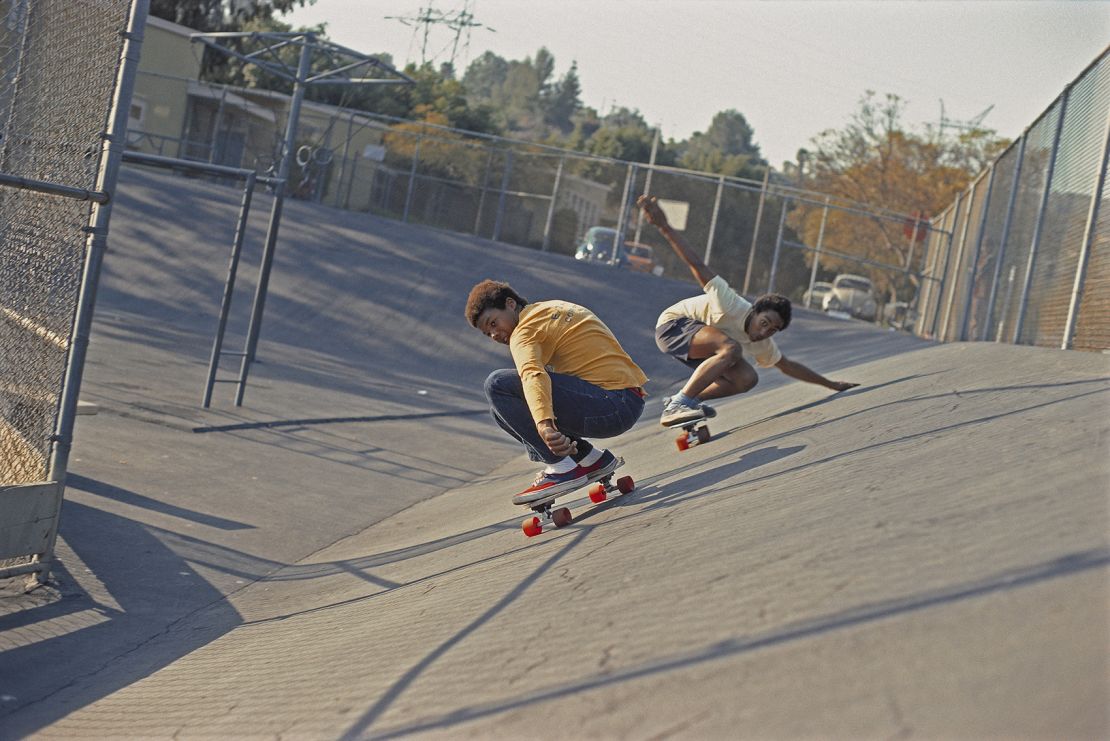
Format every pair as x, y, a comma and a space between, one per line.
970, 124
460, 22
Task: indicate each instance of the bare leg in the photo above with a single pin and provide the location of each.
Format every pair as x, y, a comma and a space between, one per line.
724, 372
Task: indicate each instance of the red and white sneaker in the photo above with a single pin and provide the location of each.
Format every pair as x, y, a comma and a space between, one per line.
552, 484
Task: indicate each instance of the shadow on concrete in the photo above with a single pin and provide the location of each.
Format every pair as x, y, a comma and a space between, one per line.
104, 639
1073, 563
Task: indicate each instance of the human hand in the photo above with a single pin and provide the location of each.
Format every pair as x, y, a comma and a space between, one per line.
654, 214
556, 442
839, 386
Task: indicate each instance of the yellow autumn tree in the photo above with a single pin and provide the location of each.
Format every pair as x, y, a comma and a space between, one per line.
876, 161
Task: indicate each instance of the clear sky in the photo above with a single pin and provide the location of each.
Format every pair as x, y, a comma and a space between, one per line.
792, 68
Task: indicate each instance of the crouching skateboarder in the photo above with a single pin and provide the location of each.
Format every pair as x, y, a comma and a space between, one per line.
714, 332
572, 381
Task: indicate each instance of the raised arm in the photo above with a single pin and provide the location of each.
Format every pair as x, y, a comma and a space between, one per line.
658, 219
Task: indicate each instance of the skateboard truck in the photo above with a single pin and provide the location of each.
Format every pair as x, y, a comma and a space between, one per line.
561, 517
692, 434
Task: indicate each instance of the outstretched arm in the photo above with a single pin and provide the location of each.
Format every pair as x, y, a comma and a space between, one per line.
658, 219
802, 373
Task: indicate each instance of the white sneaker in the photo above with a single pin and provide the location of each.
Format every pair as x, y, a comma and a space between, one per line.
676, 413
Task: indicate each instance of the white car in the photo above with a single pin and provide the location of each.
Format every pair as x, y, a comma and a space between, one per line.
853, 295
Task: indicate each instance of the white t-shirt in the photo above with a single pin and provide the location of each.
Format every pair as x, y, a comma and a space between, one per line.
726, 310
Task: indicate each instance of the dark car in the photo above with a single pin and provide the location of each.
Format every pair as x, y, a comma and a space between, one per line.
597, 246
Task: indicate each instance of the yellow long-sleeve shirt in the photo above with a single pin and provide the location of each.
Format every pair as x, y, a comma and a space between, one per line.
569, 339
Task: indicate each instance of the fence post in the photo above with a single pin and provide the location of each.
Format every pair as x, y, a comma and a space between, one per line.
412, 179
551, 206
944, 270
778, 247
501, 198
482, 194
647, 184
755, 232
343, 161
971, 268
1004, 238
713, 221
96, 246
216, 128
959, 259
1038, 227
618, 240
817, 252
1085, 249
275, 215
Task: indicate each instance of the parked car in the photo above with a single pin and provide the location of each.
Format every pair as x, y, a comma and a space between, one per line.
597, 246
814, 296
853, 295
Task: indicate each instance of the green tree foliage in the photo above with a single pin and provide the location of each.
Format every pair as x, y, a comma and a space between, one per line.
208, 16
727, 148
528, 101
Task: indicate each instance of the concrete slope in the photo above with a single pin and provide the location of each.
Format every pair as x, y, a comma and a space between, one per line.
923, 555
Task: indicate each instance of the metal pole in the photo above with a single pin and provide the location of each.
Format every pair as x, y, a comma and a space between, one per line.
713, 221
647, 185
817, 252
275, 213
913, 241
1085, 250
343, 162
502, 197
614, 254
229, 287
551, 206
1005, 237
482, 194
974, 262
412, 179
778, 247
216, 128
959, 259
947, 257
1039, 226
755, 232
97, 245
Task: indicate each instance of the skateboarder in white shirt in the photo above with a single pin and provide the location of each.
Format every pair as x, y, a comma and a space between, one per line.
713, 333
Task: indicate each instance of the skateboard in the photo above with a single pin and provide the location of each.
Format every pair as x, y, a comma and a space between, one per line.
600, 489
692, 433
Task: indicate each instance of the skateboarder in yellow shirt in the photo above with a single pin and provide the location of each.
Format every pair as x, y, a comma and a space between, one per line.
713, 333
572, 380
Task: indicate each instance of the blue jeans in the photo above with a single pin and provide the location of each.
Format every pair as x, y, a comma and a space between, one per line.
581, 410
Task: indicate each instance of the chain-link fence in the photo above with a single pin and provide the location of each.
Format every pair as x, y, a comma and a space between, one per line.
1029, 262
759, 235
60, 64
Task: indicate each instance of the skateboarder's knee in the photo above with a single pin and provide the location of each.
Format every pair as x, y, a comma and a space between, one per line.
500, 381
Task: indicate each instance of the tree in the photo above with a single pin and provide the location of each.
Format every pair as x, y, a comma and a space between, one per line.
562, 101
876, 160
209, 16
727, 147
